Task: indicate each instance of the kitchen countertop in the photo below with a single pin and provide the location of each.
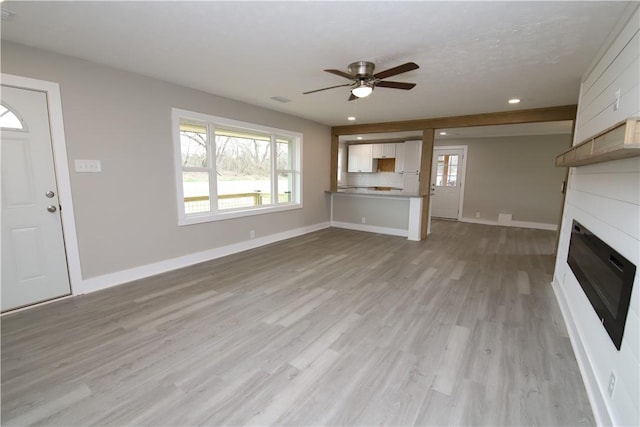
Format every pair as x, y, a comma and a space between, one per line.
373, 191
376, 188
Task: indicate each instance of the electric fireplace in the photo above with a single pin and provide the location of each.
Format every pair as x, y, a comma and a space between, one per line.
605, 276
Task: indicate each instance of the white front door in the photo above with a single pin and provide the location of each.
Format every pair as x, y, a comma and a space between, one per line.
34, 265
447, 189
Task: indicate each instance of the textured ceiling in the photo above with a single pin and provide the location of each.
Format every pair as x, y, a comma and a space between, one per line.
473, 56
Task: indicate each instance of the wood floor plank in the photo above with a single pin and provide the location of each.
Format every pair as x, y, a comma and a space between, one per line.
44, 410
337, 327
450, 367
294, 305
304, 359
284, 400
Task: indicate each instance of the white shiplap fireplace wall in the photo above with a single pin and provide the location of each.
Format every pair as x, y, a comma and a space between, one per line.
605, 198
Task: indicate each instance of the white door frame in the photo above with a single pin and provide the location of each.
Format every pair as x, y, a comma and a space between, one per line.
60, 160
463, 171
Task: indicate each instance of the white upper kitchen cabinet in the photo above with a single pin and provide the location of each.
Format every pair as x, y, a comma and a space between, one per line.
384, 151
399, 157
412, 153
408, 156
361, 158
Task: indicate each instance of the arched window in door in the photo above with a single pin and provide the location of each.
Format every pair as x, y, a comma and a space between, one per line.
9, 119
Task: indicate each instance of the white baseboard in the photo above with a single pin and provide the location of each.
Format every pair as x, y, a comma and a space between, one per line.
371, 228
113, 279
519, 224
405, 233
597, 400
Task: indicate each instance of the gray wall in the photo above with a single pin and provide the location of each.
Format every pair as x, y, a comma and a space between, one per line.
379, 212
126, 216
513, 175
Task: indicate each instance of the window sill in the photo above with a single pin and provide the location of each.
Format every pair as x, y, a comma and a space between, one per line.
209, 217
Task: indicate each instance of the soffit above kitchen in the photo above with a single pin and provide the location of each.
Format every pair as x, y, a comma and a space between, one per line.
473, 56
561, 127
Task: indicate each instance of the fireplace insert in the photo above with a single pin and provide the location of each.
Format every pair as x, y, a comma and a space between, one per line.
605, 276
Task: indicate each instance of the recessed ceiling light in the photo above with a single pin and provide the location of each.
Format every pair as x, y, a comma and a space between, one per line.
514, 101
351, 118
359, 137
443, 133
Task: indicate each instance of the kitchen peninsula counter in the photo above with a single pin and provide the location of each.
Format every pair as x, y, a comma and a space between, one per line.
378, 211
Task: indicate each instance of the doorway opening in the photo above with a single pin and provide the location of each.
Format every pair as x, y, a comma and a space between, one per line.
447, 181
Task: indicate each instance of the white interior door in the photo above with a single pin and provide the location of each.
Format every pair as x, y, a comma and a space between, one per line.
34, 265
447, 182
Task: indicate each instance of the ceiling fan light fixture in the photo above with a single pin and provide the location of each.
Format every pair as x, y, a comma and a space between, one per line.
362, 90
363, 80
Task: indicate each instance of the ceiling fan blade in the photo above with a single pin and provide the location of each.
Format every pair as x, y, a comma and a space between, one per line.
326, 88
341, 74
396, 85
396, 70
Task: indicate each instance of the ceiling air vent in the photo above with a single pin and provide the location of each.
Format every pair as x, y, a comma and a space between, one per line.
280, 99
6, 15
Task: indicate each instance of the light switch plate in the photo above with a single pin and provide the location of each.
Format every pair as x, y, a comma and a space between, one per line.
88, 166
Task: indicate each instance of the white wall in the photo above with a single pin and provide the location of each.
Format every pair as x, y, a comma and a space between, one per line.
126, 216
605, 198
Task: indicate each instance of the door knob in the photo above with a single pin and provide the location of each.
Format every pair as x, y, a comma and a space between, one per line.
51, 208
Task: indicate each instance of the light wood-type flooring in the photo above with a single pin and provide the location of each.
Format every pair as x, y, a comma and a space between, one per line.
333, 328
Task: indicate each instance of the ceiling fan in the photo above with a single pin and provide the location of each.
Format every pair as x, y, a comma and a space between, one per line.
364, 80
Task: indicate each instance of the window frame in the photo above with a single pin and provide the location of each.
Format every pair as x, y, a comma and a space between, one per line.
446, 170
211, 122
9, 110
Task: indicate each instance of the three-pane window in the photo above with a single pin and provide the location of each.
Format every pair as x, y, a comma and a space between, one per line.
229, 169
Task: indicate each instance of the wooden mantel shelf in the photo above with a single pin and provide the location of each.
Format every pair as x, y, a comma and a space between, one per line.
618, 142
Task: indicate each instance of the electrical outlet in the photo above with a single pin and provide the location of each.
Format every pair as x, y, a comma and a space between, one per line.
364, 219
252, 234
612, 383
616, 103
